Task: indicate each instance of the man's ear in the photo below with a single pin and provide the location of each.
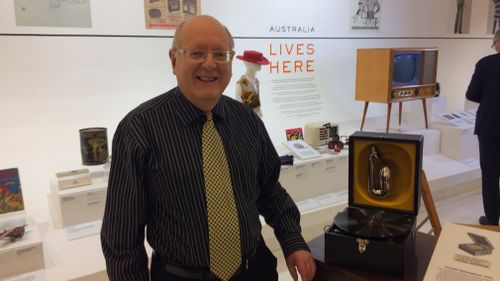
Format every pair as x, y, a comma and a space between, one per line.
173, 59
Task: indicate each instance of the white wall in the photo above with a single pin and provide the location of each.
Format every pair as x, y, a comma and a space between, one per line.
51, 86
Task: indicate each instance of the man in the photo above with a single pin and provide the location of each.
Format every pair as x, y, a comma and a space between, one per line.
159, 178
484, 88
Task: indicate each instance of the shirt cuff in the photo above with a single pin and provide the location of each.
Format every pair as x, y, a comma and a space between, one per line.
292, 244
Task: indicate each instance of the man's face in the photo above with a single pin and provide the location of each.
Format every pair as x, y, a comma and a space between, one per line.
202, 82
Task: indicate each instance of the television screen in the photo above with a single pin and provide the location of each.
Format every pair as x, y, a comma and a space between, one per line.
406, 69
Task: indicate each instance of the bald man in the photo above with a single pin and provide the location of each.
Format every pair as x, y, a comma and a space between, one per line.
158, 185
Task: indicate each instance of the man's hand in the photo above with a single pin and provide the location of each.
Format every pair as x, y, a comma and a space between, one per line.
303, 262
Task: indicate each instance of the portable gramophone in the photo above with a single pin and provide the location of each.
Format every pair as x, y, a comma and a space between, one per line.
376, 232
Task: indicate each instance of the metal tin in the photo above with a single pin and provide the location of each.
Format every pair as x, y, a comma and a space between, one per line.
94, 145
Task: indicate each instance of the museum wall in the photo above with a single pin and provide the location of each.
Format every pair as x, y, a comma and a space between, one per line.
57, 80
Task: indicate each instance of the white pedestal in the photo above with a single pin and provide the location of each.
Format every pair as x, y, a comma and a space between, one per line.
458, 143
413, 111
316, 177
431, 136
12, 219
23, 255
82, 204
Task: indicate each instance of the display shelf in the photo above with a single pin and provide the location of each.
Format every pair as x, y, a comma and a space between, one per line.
431, 136
318, 186
23, 255
78, 205
458, 143
36, 275
315, 177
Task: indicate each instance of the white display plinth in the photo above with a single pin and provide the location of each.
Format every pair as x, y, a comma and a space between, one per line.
315, 177
23, 255
431, 136
12, 219
458, 143
82, 204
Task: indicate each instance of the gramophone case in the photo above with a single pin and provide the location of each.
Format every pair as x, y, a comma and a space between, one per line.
386, 256
401, 154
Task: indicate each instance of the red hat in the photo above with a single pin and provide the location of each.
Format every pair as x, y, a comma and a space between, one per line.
253, 56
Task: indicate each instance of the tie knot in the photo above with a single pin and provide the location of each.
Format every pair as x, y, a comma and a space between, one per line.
209, 116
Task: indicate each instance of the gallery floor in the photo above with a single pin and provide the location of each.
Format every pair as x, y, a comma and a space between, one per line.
463, 208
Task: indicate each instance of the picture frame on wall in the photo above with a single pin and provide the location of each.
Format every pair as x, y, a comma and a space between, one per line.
365, 15
462, 16
493, 17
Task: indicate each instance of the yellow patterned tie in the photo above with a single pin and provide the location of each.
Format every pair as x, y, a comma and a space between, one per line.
223, 223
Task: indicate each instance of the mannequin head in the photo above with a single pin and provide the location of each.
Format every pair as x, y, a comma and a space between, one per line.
253, 61
252, 67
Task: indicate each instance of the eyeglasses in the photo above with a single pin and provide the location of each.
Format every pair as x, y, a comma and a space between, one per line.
199, 56
493, 45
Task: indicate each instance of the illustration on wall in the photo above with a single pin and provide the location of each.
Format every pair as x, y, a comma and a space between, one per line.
365, 14
167, 14
462, 16
63, 13
494, 17
11, 197
247, 90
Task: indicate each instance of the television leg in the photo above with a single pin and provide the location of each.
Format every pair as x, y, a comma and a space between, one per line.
389, 106
365, 109
400, 111
424, 104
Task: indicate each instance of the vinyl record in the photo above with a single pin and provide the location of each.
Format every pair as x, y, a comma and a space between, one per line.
369, 223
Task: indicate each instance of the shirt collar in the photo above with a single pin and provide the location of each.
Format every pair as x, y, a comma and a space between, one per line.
188, 112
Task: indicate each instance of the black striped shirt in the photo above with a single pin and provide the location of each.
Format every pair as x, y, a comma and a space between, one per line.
156, 182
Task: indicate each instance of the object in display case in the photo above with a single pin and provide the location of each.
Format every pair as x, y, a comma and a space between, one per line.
73, 178
286, 160
13, 234
294, 134
379, 175
11, 197
481, 246
389, 75
334, 143
248, 89
94, 146
376, 232
455, 119
301, 149
317, 134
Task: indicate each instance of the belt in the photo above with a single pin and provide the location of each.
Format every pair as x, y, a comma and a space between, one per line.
204, 274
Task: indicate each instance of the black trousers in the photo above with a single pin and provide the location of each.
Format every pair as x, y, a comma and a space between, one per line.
262, 267
489, 158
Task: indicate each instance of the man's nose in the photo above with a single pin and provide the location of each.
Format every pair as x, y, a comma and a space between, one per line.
209, 61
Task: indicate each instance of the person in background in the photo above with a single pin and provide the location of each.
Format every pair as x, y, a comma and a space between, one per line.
484, 88
192, 171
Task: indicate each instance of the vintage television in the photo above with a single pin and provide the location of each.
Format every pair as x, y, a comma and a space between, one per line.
387, 75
